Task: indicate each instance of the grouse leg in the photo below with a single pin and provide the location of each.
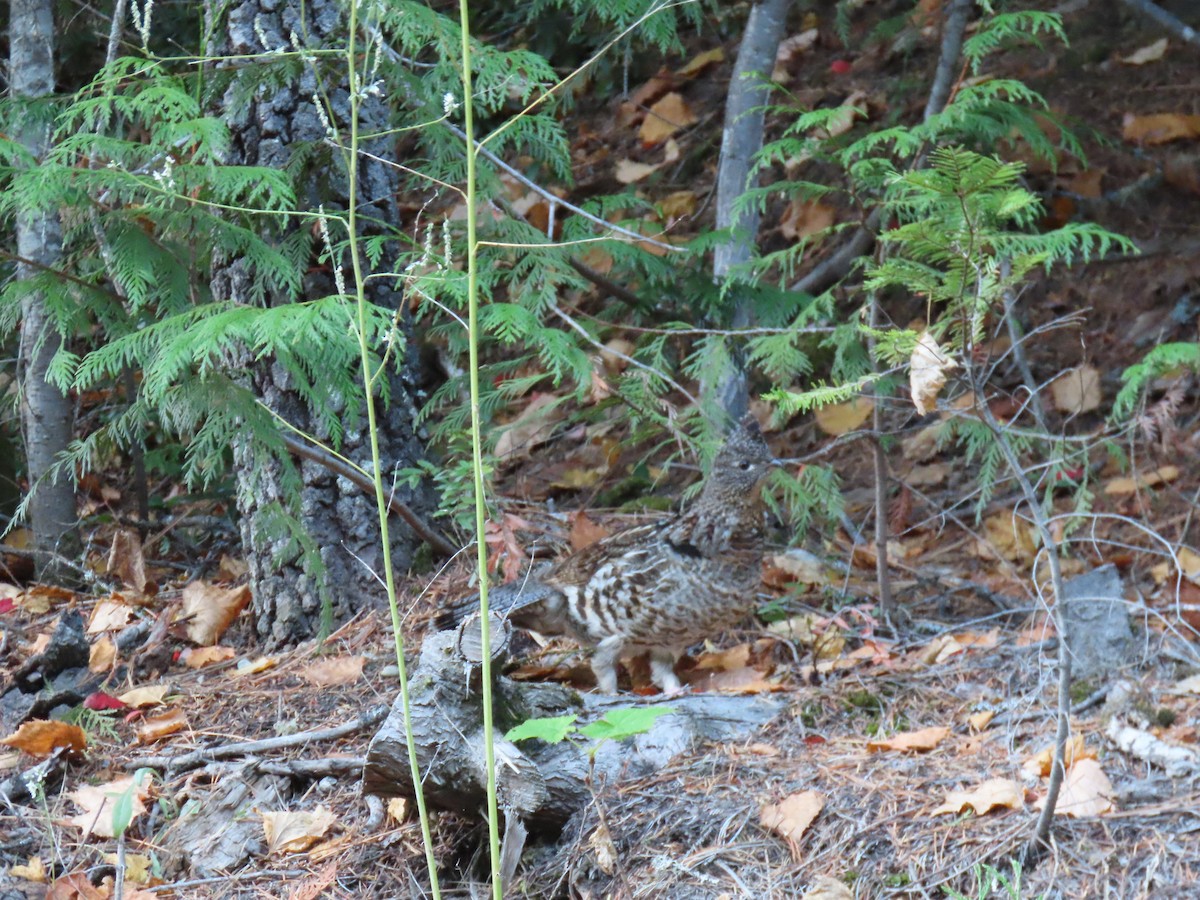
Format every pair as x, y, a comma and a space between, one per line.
662, 670
604, 662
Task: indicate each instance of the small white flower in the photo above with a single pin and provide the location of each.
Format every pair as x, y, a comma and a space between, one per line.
338, 278
449, 104
447, 256
321, 114
141, 20
165, 176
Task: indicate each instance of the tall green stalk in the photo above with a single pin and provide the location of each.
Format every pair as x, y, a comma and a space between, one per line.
477, 451
376, 468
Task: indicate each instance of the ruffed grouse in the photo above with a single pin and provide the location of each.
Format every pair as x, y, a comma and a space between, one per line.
657, 587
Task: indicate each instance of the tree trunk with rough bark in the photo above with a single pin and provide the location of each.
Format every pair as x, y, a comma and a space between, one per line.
741, 139
47, 416
339, 517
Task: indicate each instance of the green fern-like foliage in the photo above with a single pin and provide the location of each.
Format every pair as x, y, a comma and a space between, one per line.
1160, 361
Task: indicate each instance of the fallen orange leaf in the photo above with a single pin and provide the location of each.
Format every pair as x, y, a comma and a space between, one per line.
925, 739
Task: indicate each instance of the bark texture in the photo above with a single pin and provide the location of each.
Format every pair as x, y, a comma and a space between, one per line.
741, 139
339, 516
47, 416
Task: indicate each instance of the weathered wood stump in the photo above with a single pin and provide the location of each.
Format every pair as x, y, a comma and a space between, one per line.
542, 784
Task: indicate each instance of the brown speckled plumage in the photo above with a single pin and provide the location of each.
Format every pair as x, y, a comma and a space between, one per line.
655, 588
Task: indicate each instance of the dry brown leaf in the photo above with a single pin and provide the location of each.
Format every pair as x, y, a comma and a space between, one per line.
928, 475
585, 531
746, 680
145, 696
35, 871
1086, 792
630, 172
981, 720
700, 62
102, 654
678, 205
600, 389
666, 117
163, 725
199, 657
942, 648
795, 566
295, 832
397, 810
995, 792
1086, 184
1008, 537
39, 737
109, 615
231, 569
1127, 485
919, 741
789, 49
39, 598
826, 888
137, 866
126, 561
841, 418
1041, 762
1149, 53
533, 426
602, 845
804, 218
333, 671
577, 478
653, 89
850, 111
924, 444
1077, 391
100, 802
791, 816
927, 370
78, 886
253, 667
1160, 128
208, 610
801, 628
725, 660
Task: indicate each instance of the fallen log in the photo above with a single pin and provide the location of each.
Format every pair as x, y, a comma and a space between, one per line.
541, 783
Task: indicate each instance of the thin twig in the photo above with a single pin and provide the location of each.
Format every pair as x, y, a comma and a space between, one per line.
205, 755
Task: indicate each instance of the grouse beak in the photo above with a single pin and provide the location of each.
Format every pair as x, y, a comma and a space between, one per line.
777, 462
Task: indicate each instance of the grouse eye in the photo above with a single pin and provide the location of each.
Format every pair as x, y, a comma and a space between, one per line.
744, 465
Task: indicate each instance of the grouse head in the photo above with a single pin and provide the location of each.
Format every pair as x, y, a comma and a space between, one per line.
744, 460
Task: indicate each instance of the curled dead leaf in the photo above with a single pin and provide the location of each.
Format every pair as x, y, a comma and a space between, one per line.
163, 725
333, 671
842, 418
995, 792
208, 610
791, 816
927, 372
38, 737
102, 804
665, 117
916, 741
1077, 391
295, 832
1086, 792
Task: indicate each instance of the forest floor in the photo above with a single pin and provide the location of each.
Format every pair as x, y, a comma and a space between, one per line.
902, 759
